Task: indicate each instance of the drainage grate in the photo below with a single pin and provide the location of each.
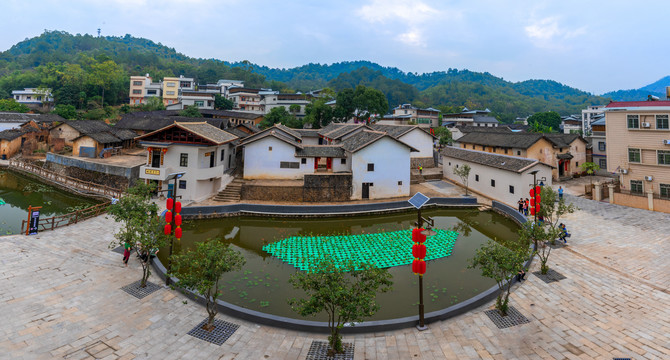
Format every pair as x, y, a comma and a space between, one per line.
221, 332
513, 318
550, 276
319, 351
118, 249
135, 290
621, 359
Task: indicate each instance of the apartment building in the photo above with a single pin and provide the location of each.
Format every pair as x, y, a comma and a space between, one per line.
639, 136
173, 86
142, 88
589, 115
406, 114
246, 99
469, 117
273, 99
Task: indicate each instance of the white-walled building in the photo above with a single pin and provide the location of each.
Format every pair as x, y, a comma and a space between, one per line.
500, 177
203, 152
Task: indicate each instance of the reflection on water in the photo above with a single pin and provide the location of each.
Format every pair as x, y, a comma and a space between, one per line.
18, 192
263, 283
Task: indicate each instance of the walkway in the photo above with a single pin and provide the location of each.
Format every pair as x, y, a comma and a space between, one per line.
60, 298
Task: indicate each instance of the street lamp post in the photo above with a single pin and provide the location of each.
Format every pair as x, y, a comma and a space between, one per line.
418, 200
174, 177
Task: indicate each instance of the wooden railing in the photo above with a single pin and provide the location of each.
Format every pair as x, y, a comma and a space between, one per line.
65, 180
67, 219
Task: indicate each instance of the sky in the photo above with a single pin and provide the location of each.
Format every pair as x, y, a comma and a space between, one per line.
593, 45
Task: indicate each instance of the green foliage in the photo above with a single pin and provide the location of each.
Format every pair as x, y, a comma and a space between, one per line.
548, 119
68, 112
201, 270
279, 115
444, 135
95, 114
294, 108
463, 172
153, 103
140, 224
11, 105
191, 111
590, 168
347, 295
500, 263
318, 113
221, 103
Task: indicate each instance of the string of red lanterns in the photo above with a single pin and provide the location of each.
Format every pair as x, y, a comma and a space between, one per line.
535, 199
176, 207
419, 252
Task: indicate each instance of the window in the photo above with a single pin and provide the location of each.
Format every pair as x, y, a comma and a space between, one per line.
493, 183
602, 163
663, 157
223, 154
170, 84
634, 155
371, 167
199, 103
511, 189
476, 177
303, 161
483, 148
137, 83
577, 163
665, 191
449, 163
662, 122
289, 165
269, 148
518, 153
137, 92
343, 161
151, 92
601, 146
399, 183
184, 84
633, 121
169, 93
28, 97
636, 186
183, 160
505, 151
182, 184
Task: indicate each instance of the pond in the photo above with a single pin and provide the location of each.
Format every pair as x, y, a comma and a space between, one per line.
263, 285
17, 192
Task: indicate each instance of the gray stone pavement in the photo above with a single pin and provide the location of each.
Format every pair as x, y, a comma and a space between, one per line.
60, 297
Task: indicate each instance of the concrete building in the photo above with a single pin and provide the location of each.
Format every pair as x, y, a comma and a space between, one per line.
468, 117
501, 177
143, 88
571, 124
639, 136
407, 114
272, 100
598, 145
34, 98
245, 99
202, 151
589, 115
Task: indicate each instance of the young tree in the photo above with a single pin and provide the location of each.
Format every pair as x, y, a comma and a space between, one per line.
104, 74
444, 135
294, 109
463, 172
141, 224
318, 113
221, 103
590, 169
549, 119
191, 111
501, 262
278, 115
346, 293
68, 112
201, 270
369, 102
153, 103
12, 106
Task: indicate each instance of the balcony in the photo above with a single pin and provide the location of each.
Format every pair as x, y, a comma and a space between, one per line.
208, 173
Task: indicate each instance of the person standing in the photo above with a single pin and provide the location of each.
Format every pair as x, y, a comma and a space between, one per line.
520, 205
420, 170
560, 193
525, 206
126, 253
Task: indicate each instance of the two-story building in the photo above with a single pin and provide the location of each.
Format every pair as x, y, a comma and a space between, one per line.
34, 98
638, 134
598, 145
203, 152
469, 117
406, 114
143, 88
246, 99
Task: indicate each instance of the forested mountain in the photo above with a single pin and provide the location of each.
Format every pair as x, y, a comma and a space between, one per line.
656, 89
81, 68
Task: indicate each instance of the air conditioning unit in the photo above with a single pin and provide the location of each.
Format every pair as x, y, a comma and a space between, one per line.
648, 178
666, 142
646, 124
623, 171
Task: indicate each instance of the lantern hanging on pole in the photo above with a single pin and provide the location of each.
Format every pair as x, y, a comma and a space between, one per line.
177, 207
419, 251
177, 232
415, 266
417, 236
169, 203
532, 202
422, 267
168, 216
537, 199
532, 211
532, 192
538, 190
177, 220
537, 207
167, 229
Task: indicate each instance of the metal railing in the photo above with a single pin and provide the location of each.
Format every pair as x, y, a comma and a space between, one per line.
67, 181
67, 219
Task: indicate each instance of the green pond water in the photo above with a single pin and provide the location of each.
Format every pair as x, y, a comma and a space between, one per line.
18, 192
263, 285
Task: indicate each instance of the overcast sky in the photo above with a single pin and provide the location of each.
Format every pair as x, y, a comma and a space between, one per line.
593, 45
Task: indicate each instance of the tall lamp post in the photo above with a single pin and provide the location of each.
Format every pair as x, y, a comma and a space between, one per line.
419, 249
173, 203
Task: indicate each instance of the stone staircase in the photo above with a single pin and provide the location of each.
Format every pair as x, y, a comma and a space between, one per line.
231, 192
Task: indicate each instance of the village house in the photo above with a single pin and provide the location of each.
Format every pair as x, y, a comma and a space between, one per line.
379, 164
597, 149
641, 157
468, 117
201, 151
246, 99
503, 178
88, 138
407, 114
564, 152
571, 124
34, 98
25, 133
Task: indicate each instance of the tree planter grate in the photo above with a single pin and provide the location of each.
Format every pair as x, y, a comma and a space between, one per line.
558, 244
135, 290
621, 358
118, 249
550, 276
513, 318
319, 351
221, 332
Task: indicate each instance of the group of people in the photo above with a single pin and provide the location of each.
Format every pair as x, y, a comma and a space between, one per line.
524, 205
144, 255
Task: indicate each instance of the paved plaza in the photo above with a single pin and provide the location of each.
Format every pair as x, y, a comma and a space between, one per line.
61, 297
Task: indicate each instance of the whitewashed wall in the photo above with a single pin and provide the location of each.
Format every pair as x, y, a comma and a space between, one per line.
419, 140
261, 163
392, 164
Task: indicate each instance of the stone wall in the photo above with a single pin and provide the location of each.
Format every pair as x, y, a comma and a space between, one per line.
327, 187
426, 162
114, 176
271, 193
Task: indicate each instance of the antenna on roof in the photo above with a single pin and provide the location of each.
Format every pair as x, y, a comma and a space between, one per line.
98, 32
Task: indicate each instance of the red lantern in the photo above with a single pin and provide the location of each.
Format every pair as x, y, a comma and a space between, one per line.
422, 267
177, 220
538, 190
419, 251
532, 202
167, 229
164, 150
177, 232
532, 211
417, 236
537, 199
149, 149
177, 207
415, 266
537, 207
532, 192
169, 204
168, 216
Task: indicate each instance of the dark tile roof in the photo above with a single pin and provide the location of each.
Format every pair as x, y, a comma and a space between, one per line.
232, 114
562, 140
336, 131
237, 132
520, 127
86, 127
103, 137
504, 162
333, 151
494, 129
207, 131
11, 134
18, 117
270, 132
150, 123
484, 119
511, 140
308, 132
288, 130
253, 128
361, 139
394, 130
124, 134
567, 155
